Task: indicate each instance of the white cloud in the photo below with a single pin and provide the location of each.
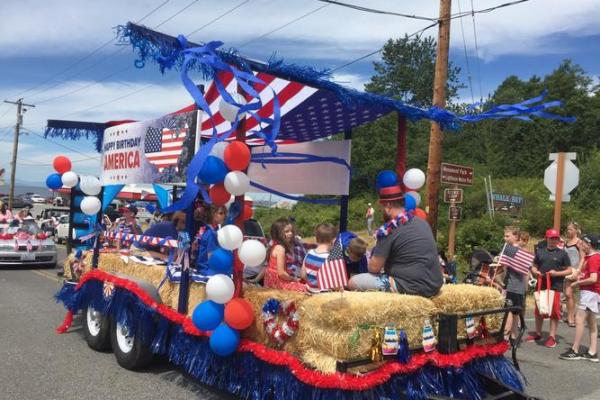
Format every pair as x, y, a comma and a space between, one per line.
353, 81
67, 26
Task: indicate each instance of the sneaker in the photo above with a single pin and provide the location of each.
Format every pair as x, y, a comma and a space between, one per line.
590, 357
550, 342
533, 338
570, 355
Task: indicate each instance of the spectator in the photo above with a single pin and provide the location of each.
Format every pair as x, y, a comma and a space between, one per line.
370, 215
554, 262
576, 257
589, 296
325, 235
5, 214
282, 271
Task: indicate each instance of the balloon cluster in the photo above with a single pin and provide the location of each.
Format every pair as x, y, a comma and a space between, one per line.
413, 180
90, 185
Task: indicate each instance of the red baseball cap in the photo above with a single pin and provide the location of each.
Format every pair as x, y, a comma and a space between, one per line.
552, 233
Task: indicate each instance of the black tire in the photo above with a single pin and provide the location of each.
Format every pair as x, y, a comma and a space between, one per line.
131, 355
96, 329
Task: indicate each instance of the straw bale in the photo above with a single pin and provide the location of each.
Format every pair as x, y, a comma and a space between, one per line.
464, 298
345, 312
319, 361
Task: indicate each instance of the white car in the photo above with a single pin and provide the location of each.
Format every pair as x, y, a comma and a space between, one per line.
61, 232
36, 198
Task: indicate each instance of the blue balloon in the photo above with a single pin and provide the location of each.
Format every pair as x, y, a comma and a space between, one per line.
208, 315
224, 340
410, 203
213, 170
53, 181
386, 178
221, 261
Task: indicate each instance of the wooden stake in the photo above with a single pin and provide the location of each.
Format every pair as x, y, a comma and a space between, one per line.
560, 178
436, 136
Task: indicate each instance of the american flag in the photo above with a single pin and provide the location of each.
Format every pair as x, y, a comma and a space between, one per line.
307, 113
332, 274
163, 146
517, 259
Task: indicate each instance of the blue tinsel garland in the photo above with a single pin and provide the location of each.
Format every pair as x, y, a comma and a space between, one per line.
246, 376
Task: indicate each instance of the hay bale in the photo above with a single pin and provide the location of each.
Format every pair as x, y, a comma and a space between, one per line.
464, 298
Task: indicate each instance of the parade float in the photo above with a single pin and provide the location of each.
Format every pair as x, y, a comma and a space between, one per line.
254, 124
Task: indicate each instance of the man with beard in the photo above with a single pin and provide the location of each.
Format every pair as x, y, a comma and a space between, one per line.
405, 259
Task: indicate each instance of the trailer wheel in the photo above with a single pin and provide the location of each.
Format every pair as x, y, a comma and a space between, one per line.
96, 329
129, 350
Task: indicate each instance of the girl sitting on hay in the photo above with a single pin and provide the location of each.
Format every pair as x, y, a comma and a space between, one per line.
283, 270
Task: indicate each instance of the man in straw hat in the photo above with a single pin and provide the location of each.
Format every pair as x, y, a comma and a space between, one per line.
404, 260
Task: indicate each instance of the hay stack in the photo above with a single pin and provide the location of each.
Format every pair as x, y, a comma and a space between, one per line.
341, 327
464, 298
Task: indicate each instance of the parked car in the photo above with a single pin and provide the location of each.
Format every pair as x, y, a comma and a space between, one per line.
17, 202
48, 219
26, 245
36, 198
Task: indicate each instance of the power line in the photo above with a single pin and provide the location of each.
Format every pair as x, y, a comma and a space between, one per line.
477, 48
372, 10
218, 18
57, 143
462, 31
35, 163
176, 14
285, 25
79, 61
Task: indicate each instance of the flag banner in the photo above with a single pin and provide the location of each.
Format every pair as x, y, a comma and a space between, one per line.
516, 259
151, 151
332, 274
320, 176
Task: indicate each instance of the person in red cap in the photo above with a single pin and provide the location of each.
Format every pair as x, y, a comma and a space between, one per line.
405, 259
554, 262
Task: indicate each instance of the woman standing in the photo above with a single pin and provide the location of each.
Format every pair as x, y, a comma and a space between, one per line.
576, 258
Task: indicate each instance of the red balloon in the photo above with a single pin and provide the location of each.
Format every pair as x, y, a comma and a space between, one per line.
239, 313
218, 194
419, 212
237, 156
248, 212
61, 164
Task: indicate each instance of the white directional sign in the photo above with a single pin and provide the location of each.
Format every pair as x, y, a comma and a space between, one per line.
571, 176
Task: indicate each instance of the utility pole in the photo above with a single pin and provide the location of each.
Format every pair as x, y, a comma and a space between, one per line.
13, 168
436, 136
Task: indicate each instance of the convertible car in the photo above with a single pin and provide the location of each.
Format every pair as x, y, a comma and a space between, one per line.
26, 244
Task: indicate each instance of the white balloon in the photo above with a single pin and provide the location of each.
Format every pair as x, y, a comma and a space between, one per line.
90, 205
237, 183
218, 150
230, 237
414, 179
229, 111
220, 288
69, 179
90, 185
416, 196
252, 253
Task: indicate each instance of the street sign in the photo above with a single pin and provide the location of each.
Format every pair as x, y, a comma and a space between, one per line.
570, 180
453, 174
454, 213
507, 203
453, 195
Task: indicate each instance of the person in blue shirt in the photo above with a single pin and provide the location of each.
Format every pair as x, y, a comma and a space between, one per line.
355, 250
166, 229
206, 239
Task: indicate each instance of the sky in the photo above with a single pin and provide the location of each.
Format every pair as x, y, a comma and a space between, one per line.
58, 55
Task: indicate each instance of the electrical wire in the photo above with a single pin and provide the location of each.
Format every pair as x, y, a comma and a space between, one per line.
218, 18
27, 162
108, 102
79, 61
284, 25
56, 143
477, 51
469, 77
176, 14
372, 10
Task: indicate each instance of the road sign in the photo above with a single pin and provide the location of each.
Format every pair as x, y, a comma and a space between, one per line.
454, 213
507, 203
453, 195
453, 174
571, 176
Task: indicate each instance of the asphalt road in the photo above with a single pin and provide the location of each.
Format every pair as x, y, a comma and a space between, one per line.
36, 363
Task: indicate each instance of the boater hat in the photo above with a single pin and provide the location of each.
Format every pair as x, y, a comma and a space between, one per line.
390, 193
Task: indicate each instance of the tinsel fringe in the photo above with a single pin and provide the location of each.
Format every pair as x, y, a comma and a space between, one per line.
255, 370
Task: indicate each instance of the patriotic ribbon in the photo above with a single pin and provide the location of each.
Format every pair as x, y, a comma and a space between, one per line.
145, 239
389, 226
